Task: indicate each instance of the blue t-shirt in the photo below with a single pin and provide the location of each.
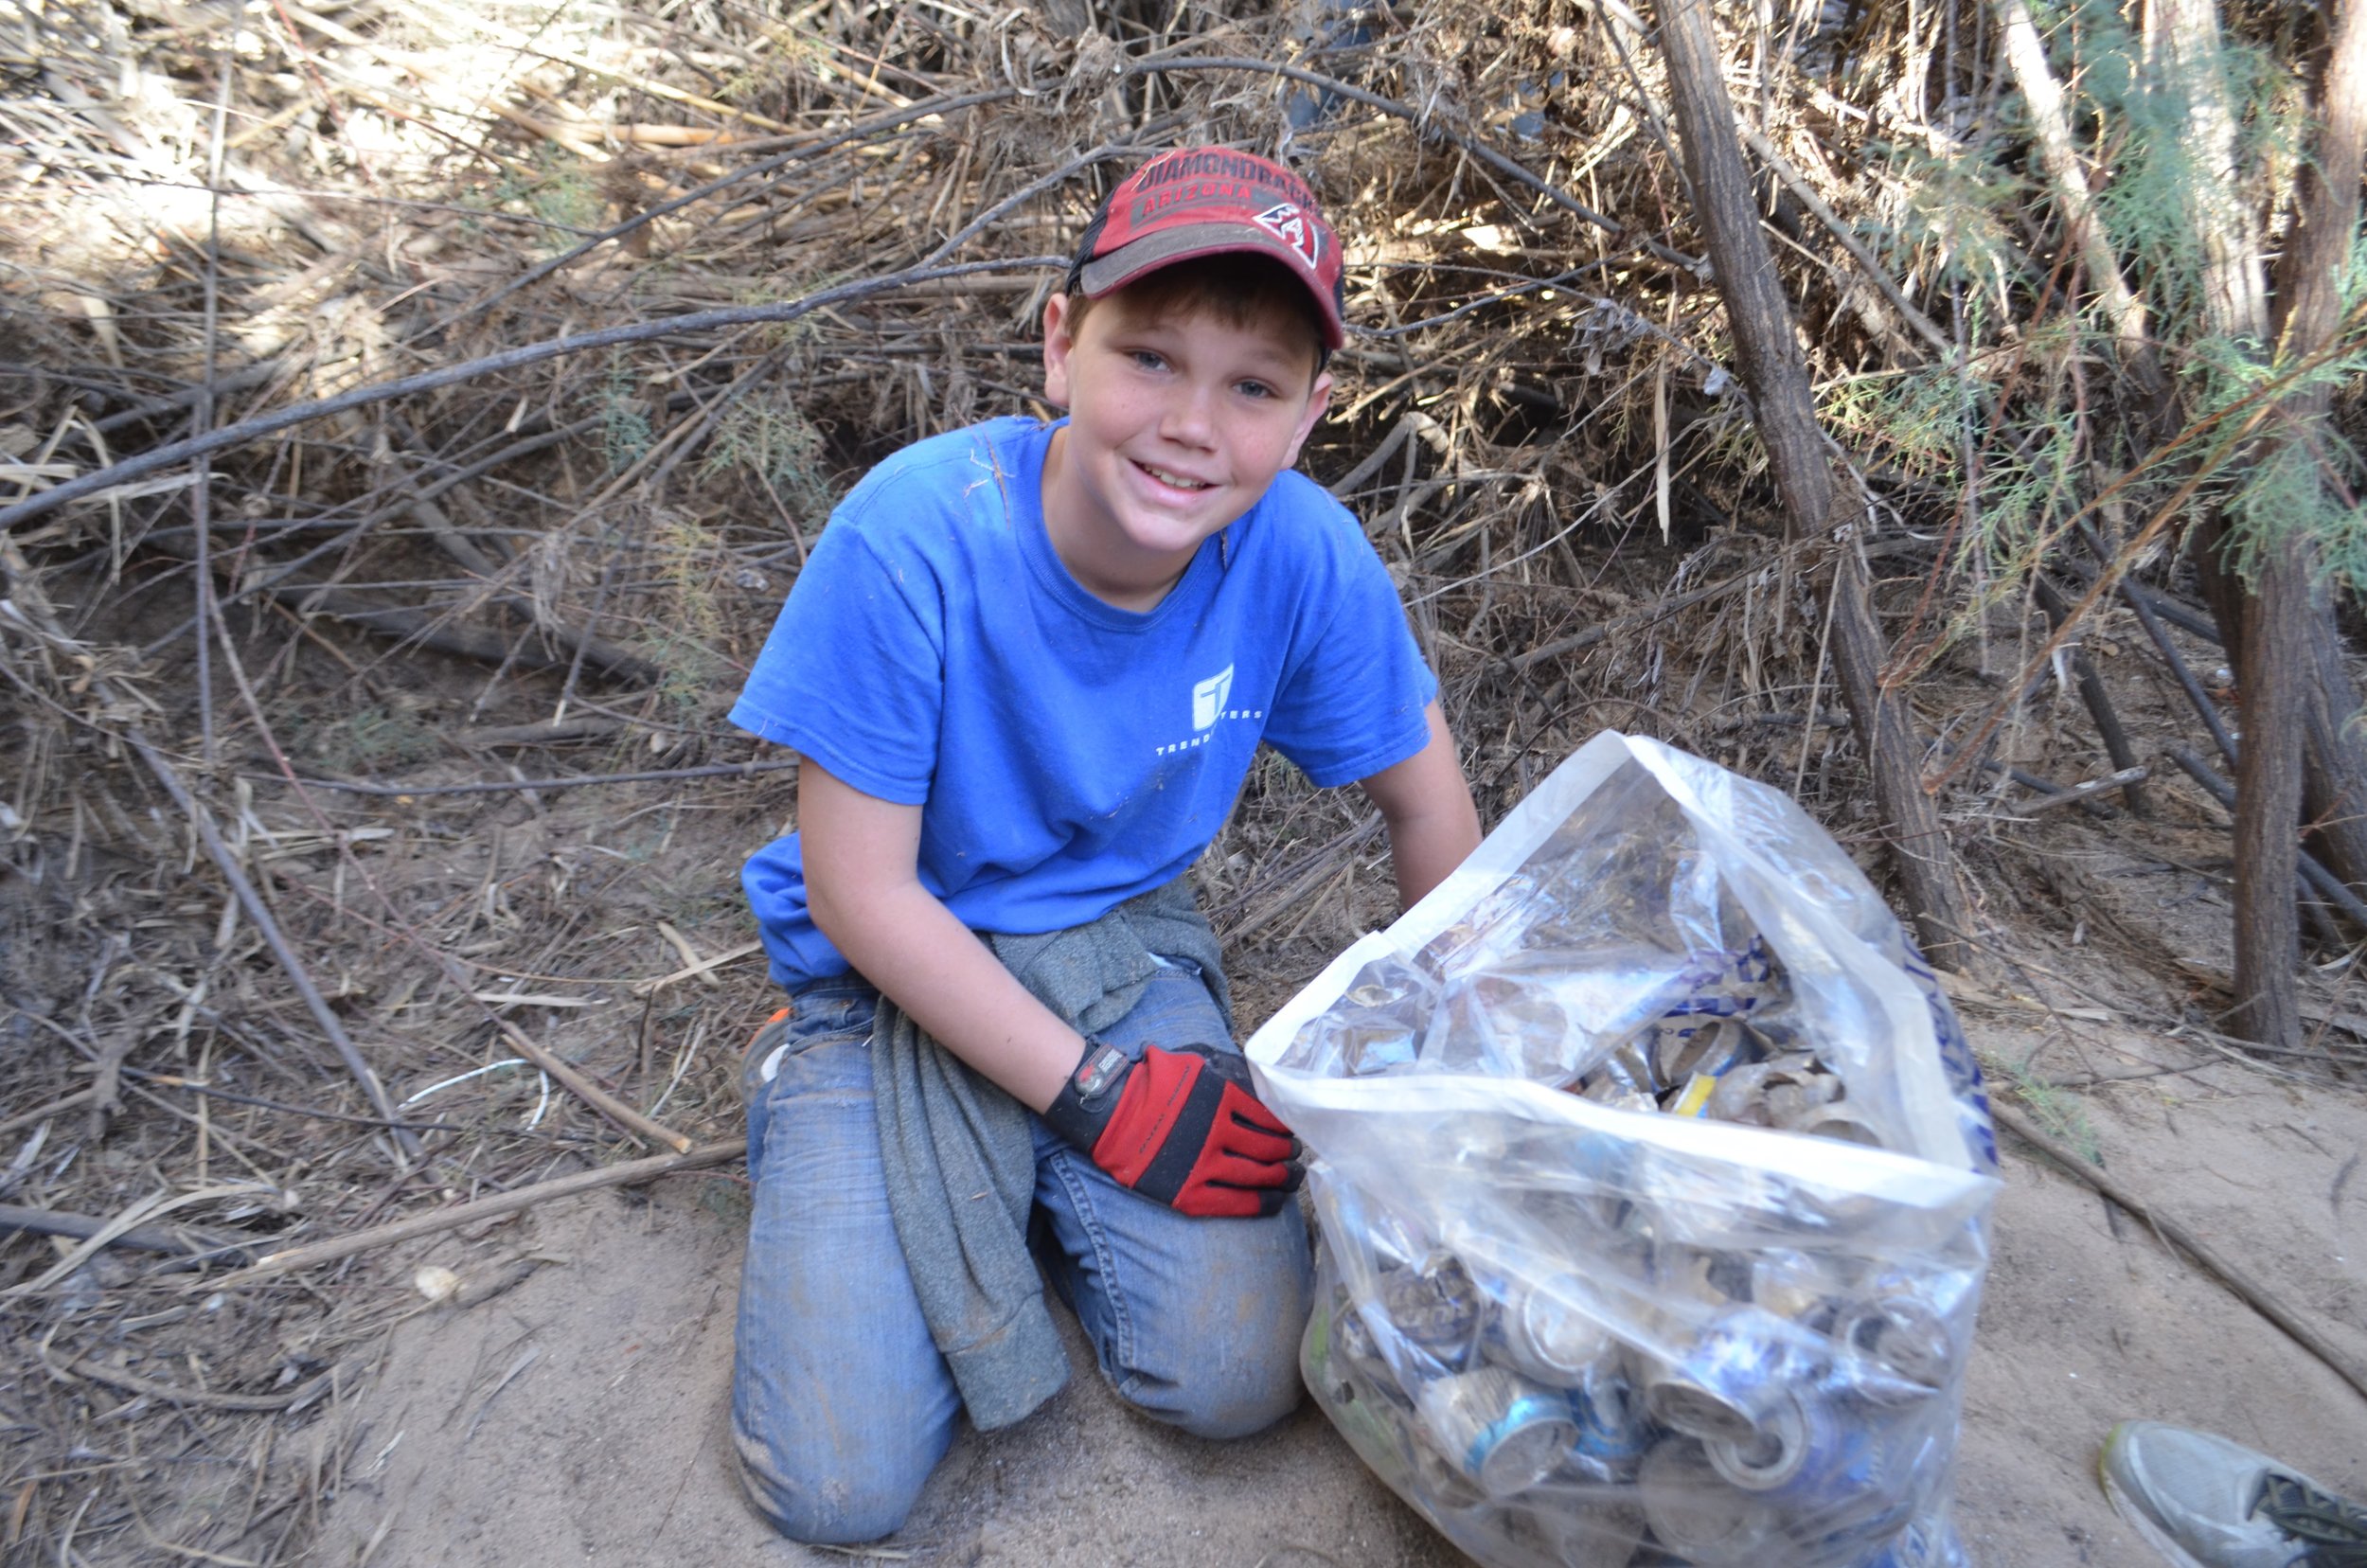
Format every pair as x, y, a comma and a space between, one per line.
1067, 754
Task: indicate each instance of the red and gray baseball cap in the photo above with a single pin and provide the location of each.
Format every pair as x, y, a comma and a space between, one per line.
1204, 201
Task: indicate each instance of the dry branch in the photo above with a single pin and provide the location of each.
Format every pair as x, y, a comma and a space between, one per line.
691, 325
2253, 1294
592, 1093
1785, 412
202, 1398
652, 775
337, 1248
268, 926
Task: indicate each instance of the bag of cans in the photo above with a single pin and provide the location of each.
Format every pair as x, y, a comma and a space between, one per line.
1652, 1176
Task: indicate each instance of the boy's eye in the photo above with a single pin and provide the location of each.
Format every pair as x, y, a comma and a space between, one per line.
1255, 389
1146, 359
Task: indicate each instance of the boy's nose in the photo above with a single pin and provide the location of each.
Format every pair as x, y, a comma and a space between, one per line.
1190, 417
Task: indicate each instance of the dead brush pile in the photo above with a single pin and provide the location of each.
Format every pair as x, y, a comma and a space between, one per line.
293, 944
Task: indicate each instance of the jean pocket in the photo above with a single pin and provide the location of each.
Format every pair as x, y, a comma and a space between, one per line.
829, 1011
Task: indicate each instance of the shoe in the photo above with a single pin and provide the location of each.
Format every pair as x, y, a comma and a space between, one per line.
762, 1058
2202, 1502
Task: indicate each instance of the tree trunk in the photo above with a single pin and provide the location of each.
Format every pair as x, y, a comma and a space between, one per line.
2309, 312
2281, 631
1772, 367
2269, 799
2334, 763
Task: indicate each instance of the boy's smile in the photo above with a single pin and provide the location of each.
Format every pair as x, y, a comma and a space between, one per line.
1177, 422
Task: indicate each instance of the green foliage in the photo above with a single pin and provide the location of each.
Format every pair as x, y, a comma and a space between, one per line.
2058, 1113
689, 623
769, 439
1913, 421
1956, 218
1958, 212
371, 739
2286, 492
566, 193
625, 430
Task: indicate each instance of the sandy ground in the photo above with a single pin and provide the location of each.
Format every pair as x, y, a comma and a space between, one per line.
578, 1417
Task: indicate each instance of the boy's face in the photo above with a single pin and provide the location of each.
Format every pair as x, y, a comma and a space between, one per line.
1178, 422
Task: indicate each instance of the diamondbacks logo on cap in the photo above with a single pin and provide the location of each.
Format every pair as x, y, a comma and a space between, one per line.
1288, 222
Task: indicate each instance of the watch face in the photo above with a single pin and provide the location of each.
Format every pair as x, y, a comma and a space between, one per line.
1101, 1067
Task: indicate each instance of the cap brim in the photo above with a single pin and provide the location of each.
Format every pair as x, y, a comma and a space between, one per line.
1167, 246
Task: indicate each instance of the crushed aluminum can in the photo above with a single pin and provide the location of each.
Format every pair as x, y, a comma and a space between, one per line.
1801, 1450
1724, 1383
1436, 1308
1441, 1484
1900, 1351
1802, 1288
1504, 1433
1613, 1431
1830, 1475
1772, 1093
1341, 1342
1841, 1123
1540, 1332
1625, 1073
1696, 1516
1684, 1046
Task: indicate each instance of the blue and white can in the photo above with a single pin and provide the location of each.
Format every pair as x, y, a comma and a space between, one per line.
1613, 1432
1723, 1383
1504, 1433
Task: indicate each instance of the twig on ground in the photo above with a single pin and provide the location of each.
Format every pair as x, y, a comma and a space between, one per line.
2254, 1294
2072, 794
570, 1078
260, 915
711, 770
202, 1398
331, 1251
704, 967
139, 1238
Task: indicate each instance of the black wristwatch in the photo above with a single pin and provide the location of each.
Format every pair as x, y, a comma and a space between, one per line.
1101, 1068
1089, 1097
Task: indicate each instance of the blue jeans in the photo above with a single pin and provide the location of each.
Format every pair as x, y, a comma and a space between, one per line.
840, 1404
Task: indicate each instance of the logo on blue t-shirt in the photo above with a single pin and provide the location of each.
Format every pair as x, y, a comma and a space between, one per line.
1208, 698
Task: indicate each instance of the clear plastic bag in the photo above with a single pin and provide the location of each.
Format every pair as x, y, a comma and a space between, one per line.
1653, 1176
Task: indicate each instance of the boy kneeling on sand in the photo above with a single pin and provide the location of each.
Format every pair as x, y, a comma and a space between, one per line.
1027, 669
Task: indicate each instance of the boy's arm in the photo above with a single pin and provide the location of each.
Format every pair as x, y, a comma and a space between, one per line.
1426, 805
863, 888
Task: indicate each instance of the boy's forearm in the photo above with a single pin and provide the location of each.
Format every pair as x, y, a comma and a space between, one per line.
918, 953
1425, 847
1426, 804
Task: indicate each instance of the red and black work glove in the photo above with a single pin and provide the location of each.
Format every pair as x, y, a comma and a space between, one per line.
1183, 1126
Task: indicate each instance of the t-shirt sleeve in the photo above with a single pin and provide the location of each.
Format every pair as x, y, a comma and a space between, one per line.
853, 674
1352, 699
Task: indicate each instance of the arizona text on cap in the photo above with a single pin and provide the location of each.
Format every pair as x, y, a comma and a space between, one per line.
1205, 200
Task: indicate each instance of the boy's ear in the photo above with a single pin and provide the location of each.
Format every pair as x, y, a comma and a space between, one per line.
1318, 401
1059, 341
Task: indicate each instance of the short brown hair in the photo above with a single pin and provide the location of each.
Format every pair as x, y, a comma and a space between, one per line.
1241, 289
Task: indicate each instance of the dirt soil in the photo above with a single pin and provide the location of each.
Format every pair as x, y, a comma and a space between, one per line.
580, 1416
